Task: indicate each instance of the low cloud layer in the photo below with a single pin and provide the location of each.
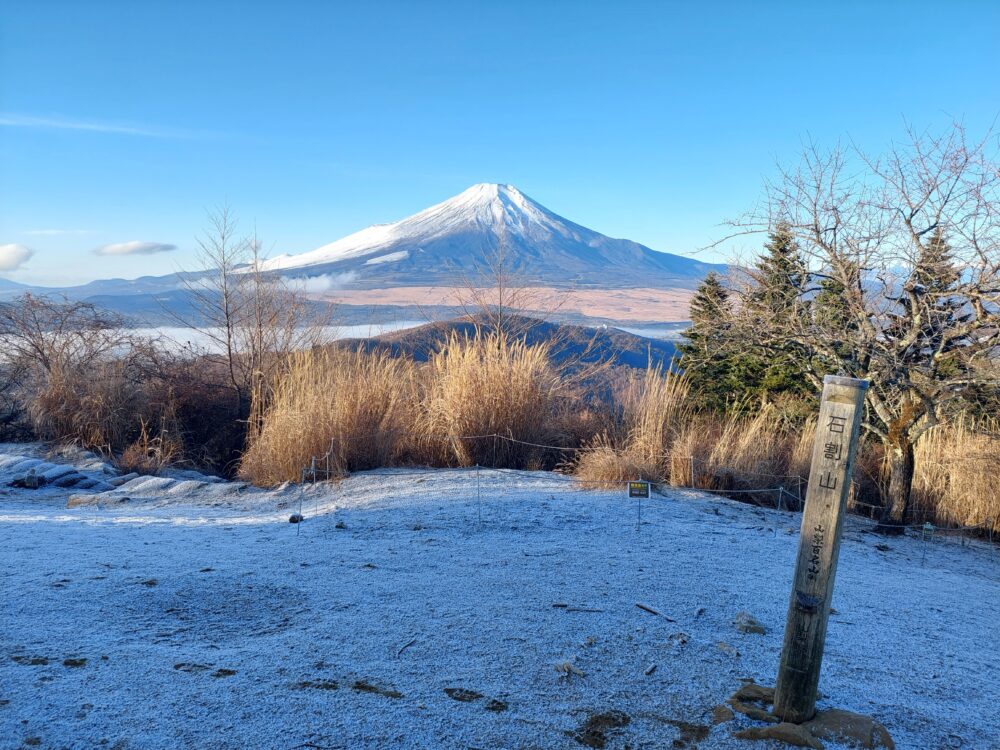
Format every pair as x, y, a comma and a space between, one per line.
135, 248
13, 257
325, 283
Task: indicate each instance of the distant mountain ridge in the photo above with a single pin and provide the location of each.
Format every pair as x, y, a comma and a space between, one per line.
454, 241
582, 345
449, 246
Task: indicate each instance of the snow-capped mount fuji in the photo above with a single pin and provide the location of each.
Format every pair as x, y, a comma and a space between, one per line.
424, 265
454, 242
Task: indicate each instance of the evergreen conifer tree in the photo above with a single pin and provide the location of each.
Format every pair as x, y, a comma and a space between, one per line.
780, 277
725, 373
707, 356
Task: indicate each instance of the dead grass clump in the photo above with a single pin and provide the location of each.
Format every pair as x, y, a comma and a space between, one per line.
737, 452
802, 448
94, 406
654, 408
200, 410
149, 454
359, 406
661, 438
955, 483
600, 464
751, 453
493, 383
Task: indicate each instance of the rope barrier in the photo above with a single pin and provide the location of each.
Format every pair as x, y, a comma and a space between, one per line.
312, 471
695, 459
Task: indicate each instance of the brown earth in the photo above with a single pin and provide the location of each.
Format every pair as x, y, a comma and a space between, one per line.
639, 305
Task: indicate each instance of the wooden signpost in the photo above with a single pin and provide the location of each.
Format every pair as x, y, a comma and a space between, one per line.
840, 415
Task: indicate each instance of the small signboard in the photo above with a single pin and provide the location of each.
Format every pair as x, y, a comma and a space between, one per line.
638, 489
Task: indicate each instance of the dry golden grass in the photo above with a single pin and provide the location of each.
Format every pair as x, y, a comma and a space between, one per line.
750, 452
94, 407
654, 409
149, 454
495, 384
957, 467
372, 410
600, 464
663, 439
361, 407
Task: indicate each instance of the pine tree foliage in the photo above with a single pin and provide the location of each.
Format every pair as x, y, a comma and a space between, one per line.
708, 359
710, 305
727, 372
780, 275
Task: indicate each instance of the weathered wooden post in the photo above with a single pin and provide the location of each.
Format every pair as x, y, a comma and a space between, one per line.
840, 414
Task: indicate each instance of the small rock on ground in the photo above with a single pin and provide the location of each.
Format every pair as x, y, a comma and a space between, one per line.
747, 623
851, 728
792, 734
722, 714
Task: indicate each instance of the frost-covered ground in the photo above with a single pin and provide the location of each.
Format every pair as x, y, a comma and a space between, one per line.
193, 615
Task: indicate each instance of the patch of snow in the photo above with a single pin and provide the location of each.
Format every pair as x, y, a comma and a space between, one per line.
482, 205
389, 258
205, 619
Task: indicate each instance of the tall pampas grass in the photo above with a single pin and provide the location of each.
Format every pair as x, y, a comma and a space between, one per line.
654, 409
957, 471
359, 406
371, 410
495, 384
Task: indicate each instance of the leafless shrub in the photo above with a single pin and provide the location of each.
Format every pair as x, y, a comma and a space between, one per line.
253, 318
150, 454
74, 370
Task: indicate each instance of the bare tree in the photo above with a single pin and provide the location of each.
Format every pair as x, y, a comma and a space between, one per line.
251, 316
70, 367
499, 297
904, 282
212, 293
275, 320
50, 334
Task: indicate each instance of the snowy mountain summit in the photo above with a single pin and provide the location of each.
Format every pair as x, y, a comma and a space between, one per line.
458, 239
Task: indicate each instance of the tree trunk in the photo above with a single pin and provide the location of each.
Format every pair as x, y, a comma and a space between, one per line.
897, 501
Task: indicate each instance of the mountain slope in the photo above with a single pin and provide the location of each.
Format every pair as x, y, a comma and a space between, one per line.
454, 241
582, 345
6, 285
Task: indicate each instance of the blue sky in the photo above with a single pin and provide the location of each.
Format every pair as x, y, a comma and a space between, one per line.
122, 122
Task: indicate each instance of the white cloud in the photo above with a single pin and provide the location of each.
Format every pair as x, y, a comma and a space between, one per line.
13, 257
135, 247
325, 283
12, 120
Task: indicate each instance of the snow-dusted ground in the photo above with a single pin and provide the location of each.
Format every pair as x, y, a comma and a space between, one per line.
200, 618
